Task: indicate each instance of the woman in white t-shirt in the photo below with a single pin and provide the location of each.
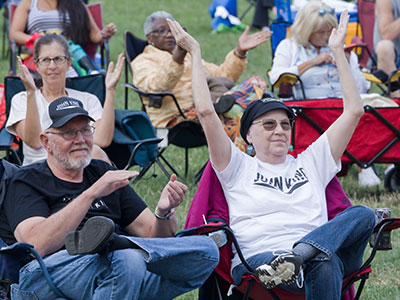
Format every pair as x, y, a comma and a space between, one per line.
277, 207
29, 109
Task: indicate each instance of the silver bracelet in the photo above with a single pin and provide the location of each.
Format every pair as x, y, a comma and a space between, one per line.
167, 217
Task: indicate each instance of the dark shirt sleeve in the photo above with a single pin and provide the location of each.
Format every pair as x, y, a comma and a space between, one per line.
23, 202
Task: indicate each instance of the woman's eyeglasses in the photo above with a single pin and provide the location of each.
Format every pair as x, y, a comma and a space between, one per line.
270, 124
161, 31
58, 60
323, 11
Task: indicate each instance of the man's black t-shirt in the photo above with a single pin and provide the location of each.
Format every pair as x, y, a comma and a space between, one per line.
35, 191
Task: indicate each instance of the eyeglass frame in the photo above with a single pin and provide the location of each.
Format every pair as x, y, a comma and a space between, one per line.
263, 121
75, 132
40, 61
160, 30
322, 11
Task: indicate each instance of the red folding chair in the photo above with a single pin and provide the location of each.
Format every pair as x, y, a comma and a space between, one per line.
209, 204
91, 48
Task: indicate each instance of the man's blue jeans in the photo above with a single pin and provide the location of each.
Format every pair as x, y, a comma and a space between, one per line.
342, 242
162, 268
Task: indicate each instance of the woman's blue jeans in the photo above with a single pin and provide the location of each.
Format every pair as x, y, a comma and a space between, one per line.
342, 242
159, 268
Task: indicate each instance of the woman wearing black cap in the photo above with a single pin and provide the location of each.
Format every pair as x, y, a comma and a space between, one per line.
277, 202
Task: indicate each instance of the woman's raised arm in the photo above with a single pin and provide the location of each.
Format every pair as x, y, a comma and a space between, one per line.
218, 141
341, 131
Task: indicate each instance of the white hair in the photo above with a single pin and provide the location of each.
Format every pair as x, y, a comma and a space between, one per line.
148, 24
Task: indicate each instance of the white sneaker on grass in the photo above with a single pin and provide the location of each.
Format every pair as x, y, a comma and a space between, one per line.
367, 177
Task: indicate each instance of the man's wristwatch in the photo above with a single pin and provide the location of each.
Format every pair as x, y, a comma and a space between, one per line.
167, 217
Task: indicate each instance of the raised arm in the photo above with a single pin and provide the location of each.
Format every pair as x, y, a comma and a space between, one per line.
105, 126
19, 21
29, 129
389, 28
218, 142
341, 131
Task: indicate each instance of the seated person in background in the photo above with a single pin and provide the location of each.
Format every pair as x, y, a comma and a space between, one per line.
306, 54
47, 200
67, 17
29, 109
165, 66
387, 39
277, 202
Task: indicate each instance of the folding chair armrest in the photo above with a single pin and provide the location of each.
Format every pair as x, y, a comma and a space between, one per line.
24, 250
137, 146
155, 95
289, 78
285, 81
386, 225
105, 54
13, 58
203, 229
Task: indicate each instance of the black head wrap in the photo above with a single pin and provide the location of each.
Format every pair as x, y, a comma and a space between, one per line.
258, 108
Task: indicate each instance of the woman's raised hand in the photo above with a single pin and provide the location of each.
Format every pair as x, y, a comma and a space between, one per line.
247, 42
114, 74
26, 76
182, 38
338, 35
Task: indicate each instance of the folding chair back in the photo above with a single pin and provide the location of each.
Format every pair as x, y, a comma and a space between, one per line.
90, 48
133, 47
366, 19
93, 84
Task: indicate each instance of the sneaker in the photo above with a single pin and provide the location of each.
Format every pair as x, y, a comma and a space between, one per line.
285, 269
92, 238
367, 177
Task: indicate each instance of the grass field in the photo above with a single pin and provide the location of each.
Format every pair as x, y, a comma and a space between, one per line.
384, 282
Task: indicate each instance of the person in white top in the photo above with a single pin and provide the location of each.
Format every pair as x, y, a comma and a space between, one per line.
277, 202
29, 109
306, 54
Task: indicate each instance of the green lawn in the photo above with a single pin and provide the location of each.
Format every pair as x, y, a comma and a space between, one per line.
384, 282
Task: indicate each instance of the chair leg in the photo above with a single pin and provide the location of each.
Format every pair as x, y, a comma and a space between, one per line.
361, 286
168, 164
186, 161
163, 168
199, 174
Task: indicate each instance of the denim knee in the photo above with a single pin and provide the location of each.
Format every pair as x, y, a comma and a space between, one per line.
128, 263
366, 216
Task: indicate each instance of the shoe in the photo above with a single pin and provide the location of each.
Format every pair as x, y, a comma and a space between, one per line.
92, 238
285, 269
367, 177
224, 104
